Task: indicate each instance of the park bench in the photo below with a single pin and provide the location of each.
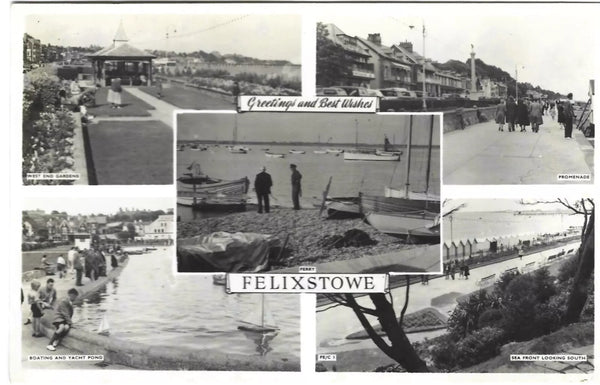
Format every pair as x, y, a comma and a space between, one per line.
487, 281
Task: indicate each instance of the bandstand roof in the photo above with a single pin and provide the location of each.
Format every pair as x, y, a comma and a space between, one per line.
120, 49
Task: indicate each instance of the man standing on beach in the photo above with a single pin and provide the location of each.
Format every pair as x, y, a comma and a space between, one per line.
569, 114
296, 186
262, 186
62, 319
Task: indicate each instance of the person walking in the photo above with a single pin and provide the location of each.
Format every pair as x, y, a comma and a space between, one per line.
71, 258
63, 319
453, 270
535, 113
114, 93
522, 115
262, 186
561, 114
296, 186
78, 266
569, 114
501, 115
235, 91
467, 271
511, 114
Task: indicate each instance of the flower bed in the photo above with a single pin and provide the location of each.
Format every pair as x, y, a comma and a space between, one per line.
246, 88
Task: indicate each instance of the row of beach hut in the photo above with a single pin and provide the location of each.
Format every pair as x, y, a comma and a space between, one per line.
477, 247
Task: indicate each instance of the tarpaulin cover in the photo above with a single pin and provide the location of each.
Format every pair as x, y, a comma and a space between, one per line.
225, 252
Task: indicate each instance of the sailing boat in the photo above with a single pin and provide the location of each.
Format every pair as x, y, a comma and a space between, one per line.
367, 154
259, 322
320, 150
407, 216
402, 193
104, 327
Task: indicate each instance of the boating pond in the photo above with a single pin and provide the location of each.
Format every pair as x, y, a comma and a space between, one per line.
149, 304
349, 177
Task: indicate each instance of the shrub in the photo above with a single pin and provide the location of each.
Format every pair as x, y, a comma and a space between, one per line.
464, 318
479, 346
491, 318
568, 268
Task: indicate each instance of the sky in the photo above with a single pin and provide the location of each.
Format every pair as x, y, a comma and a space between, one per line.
551, 45
306, 127
86, 206
269, 37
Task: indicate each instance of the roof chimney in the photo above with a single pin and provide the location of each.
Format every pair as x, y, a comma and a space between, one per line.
375, 38
407, 45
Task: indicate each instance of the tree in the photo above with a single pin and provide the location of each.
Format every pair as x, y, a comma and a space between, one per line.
332, 63
399, 349
578, 294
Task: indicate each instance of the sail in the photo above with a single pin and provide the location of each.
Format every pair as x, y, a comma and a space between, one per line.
104, 327
260, 320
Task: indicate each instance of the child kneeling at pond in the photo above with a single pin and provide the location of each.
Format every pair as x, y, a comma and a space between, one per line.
62, 319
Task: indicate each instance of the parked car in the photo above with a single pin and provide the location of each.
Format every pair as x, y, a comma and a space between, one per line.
355, 91
331, 91
395, 93
372, 92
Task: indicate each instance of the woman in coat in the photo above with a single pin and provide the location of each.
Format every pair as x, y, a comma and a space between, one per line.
535, 113
561, 114
501, 115
511, 113
522, 115
114, 93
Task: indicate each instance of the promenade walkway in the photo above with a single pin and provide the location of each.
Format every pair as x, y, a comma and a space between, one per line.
480, 154
335, 324
163, 111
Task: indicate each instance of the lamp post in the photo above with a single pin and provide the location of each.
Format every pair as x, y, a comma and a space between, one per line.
424, 63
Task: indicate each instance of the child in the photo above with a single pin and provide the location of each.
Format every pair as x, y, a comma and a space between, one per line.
62, 319
35, 304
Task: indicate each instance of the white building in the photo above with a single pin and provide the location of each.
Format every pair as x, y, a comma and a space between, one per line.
162, 228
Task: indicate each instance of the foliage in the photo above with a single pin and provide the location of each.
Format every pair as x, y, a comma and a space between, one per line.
490, 318
464, 318
568, 269
332, 63
478, 346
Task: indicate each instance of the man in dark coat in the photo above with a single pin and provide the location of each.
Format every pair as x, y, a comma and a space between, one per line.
296, 186
78, 266
262, 186
569, 114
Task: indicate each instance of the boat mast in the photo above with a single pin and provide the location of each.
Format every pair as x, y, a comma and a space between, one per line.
407, 184
429, 154
235, 129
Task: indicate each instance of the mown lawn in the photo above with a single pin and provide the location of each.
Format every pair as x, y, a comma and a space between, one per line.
31, 259
132, 106
191, 98
131, 152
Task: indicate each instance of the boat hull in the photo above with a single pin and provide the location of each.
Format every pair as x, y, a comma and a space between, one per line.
207, 204
419, 226
379, 204
359, 156
216, 186
399, 193
270, 155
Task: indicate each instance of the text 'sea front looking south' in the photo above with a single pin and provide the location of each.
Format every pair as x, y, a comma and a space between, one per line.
343, 193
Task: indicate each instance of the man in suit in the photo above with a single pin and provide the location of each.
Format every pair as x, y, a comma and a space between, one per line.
262, 186
296, 186
62, 319
569, 114
78, 266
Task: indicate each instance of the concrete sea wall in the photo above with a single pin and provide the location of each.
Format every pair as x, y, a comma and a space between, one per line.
469, 117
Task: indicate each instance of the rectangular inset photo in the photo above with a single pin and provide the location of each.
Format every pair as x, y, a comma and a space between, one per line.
516, 296
342, 193
98, 282
98, 107
508, 118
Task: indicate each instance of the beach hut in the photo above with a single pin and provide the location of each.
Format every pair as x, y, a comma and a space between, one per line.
480, 247
469, 248
462, 247
446, 252
454, 250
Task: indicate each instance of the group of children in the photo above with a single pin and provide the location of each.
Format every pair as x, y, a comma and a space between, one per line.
40, 299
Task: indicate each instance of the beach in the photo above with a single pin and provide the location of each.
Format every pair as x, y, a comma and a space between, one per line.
306, 229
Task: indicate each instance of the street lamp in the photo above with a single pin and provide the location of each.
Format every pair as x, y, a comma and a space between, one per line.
424, 63
517, 82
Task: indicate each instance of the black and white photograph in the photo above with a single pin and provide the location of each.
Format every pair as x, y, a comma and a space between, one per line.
518, 109
100, 92
518, 279
340, 192
98, 279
